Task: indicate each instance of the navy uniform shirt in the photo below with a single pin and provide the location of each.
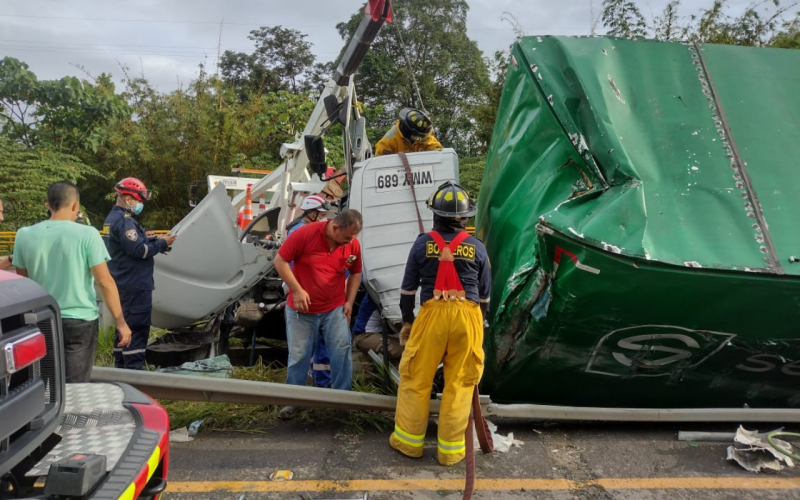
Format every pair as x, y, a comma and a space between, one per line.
471, 262
131, 254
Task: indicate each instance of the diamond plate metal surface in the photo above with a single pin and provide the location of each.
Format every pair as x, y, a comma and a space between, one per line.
94, 421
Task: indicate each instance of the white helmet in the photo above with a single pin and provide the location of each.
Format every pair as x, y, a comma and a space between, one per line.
314, 202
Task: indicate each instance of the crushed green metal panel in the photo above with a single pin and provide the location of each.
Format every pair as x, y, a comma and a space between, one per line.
618, 150
763, 89
616, 332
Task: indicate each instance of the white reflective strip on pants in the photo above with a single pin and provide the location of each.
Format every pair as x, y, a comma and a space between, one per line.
135, 351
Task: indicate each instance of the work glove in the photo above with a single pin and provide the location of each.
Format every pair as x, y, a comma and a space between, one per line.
405, 333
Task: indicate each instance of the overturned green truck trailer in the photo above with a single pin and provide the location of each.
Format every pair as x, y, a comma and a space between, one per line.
641, 206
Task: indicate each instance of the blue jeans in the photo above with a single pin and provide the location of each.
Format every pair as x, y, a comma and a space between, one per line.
321, 365
303, 331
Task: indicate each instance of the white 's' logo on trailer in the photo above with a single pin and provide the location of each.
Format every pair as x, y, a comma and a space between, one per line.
654, 350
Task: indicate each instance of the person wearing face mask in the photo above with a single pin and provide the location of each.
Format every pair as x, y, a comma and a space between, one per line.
132, 251
411, 133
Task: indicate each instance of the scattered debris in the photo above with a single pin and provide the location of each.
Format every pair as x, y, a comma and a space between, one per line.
194, 427
180, 436
503, 444
281, 475
219, 367
756, 453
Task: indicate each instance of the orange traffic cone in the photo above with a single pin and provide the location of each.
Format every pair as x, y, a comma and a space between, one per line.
262, 204
247, 215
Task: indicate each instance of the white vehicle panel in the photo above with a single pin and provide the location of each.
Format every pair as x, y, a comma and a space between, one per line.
208, 268
390, 220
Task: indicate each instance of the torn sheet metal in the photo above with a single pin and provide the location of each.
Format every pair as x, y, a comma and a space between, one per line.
754, 453
612, 177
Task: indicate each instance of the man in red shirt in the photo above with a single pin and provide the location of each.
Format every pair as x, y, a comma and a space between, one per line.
320, 297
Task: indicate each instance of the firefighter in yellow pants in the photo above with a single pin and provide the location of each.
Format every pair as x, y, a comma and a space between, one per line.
452, 271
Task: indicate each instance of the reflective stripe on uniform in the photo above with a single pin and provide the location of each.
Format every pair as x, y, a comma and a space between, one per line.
408, 292
451, 448
318, 367
409, 439
135, 351
146, 251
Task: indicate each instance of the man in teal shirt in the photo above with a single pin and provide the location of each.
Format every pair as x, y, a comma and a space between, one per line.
66, 258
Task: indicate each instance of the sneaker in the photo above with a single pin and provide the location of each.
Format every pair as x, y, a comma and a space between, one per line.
288, 412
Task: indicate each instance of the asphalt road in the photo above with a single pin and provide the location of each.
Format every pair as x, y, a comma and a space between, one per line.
557, 461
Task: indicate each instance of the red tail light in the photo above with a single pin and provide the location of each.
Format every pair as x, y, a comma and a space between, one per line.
25, 352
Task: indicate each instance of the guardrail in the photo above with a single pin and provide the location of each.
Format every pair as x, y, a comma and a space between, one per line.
7, 242
7, 238
219, 390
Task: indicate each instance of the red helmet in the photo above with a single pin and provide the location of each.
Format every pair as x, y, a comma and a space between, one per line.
133, 187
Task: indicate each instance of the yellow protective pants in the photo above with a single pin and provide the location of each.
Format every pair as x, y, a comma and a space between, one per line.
450, 332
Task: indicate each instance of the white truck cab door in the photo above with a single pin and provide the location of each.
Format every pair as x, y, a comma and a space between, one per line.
381, 193
208, 267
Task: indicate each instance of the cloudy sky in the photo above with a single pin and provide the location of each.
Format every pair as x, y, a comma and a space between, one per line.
167, 39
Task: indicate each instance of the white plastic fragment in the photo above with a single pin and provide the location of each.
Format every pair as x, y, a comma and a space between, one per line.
502, 444
756, 453
180, 436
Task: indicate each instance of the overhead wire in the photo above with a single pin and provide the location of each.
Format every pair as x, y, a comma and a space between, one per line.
121, 49
228, 23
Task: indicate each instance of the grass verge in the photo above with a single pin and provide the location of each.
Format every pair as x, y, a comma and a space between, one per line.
225, 416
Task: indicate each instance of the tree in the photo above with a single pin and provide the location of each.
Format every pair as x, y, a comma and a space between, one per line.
447, 65
25, 175
181, 137
668, 27
486, 112
761, 24
66, 115
282, 60
623, 19
789, 37
471, 175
